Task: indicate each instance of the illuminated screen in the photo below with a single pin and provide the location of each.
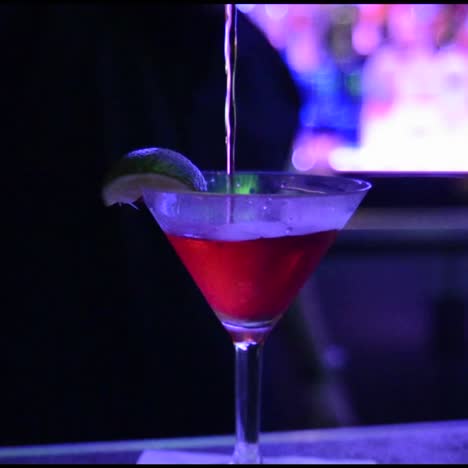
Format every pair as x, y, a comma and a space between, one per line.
384, 86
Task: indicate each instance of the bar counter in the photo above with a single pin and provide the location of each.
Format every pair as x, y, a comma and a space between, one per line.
428, 442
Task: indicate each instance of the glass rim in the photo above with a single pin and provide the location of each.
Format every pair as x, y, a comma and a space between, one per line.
360, 186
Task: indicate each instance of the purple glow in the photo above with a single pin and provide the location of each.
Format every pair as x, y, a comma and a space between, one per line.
246, 7
302, 159
276, 11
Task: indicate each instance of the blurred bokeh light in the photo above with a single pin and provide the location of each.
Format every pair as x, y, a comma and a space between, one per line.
384, 86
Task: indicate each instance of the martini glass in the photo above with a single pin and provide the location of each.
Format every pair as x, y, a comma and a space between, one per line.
249, 243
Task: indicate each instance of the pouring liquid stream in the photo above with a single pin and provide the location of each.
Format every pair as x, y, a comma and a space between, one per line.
230, 58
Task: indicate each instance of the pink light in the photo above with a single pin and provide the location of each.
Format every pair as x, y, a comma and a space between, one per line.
313, 152
366, 38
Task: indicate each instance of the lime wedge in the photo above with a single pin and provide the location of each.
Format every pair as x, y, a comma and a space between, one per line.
150, 168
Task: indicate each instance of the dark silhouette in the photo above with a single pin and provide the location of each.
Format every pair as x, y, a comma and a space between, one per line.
103, 333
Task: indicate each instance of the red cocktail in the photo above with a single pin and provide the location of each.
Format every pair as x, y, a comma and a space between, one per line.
251, 281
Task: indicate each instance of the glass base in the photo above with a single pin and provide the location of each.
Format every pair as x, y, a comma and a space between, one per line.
246, 454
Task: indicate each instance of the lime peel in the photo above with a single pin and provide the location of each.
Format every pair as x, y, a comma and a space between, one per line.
150, 168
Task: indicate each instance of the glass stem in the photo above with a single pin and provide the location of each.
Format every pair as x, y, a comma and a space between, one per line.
247, 394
